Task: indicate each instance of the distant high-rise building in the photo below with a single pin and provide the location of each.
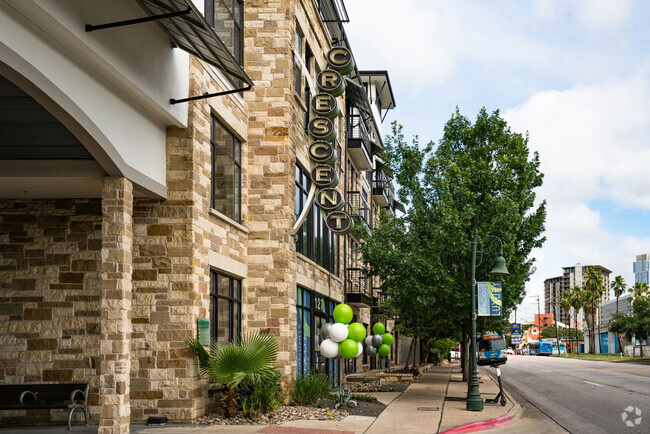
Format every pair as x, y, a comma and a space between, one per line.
552, 292
642, 268
575, 276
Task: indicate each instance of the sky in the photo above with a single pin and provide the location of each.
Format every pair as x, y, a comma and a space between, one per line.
574, 74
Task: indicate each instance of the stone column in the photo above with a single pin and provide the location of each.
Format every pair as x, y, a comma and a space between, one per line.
115, 337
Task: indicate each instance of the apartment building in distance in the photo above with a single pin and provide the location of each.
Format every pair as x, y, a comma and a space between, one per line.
145, 187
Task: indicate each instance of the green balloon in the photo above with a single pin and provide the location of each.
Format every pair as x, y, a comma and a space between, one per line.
356, 332
388, 339
348, 349
343, 313
378, 328
384, 350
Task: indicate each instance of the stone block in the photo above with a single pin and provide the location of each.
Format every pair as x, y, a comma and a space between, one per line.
42, 344
37, 314
139, 275
57, 375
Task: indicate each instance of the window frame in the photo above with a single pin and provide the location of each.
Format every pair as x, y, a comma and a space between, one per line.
326, 254
235, 156
235, 7
234, 305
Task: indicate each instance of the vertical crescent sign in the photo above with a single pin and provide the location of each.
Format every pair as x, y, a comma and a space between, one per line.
322, 150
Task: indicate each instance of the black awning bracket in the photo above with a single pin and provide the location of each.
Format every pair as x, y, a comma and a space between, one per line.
90, 27
209, 95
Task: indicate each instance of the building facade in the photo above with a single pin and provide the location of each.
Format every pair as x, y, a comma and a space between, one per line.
575, 276
128, 213
641, 268
553, 291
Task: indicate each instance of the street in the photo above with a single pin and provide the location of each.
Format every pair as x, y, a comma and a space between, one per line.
584, 396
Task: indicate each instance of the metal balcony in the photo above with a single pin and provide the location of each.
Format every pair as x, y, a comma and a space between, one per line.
378, 297
382, 189
357, 291
359, 146
358, 206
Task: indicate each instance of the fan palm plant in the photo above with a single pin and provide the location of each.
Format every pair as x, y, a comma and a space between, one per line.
251, 359
639, 290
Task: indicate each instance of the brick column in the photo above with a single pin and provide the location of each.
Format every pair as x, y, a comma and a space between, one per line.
115, 337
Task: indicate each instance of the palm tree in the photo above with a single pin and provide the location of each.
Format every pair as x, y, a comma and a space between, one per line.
619, 287
596, 288
577, 303
250, 359
639, 289
565, 301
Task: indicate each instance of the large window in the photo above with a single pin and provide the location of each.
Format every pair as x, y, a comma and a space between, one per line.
313, 310
314, 240
226, 171
227, 18
297, 62
225, 307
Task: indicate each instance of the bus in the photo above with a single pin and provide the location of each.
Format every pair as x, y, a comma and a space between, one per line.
491, 349
540, 348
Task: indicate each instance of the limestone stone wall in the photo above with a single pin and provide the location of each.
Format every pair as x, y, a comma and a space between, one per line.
50, 277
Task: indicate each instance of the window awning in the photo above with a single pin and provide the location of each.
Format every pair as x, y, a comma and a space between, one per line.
192, 33
357, 95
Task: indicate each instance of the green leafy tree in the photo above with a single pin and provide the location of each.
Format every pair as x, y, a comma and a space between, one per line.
619, 287
250, 359
564, 333
635, 325
480, 176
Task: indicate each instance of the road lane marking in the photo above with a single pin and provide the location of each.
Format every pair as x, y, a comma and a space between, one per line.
591, 382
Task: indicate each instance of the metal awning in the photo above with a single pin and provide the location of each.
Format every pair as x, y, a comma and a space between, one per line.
192, 33
357, 95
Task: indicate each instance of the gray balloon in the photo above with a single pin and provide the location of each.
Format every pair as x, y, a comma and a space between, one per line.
371, 351
325, 331
368, 340
377, 340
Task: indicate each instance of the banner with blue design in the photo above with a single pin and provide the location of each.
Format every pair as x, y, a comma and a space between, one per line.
489, 298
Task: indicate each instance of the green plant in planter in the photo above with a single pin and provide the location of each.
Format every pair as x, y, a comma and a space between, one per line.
343, 396
310, 388
250, 359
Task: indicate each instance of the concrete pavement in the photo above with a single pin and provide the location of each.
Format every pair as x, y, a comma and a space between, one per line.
434, 403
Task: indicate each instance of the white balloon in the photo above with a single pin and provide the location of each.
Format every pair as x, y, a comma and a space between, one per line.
368, 340
360, 349
329, 348
338, 332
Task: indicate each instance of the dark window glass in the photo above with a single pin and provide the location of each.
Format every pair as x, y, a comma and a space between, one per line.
225, 307
297, 58
314, 240
227, 19
226, 171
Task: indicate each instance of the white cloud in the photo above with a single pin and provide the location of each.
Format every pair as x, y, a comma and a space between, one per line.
592, 142
603, 14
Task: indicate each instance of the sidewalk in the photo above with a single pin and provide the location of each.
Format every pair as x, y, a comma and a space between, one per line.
434, 403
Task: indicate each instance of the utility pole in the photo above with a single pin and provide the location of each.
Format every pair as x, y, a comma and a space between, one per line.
539, 320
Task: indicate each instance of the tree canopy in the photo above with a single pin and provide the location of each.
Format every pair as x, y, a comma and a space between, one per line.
479, 176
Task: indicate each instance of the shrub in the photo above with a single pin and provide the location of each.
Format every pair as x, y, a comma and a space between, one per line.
310, 388
412, 370
261, 396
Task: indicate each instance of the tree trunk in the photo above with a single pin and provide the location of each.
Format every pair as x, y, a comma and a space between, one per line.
408, 356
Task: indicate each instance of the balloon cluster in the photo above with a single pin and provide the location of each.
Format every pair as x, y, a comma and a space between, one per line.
379, 342
342, 339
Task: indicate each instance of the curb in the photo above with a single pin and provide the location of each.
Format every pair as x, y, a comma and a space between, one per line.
481, 425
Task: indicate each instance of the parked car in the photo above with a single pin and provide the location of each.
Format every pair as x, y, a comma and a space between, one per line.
509, 351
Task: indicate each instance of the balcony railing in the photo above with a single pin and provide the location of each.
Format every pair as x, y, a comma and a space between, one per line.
382, 189
357, 287
358, 206
359, 146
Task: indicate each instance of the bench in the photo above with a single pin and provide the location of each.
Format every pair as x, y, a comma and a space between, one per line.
45, 396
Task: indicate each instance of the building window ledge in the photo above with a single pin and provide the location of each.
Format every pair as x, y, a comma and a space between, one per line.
319, 267
228, 220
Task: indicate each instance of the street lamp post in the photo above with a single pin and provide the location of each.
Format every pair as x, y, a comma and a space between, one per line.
474, 400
